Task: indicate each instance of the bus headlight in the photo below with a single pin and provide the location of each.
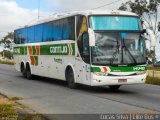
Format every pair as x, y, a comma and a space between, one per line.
100, 73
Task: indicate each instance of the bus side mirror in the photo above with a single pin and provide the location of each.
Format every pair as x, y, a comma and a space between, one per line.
92, 38
152, 37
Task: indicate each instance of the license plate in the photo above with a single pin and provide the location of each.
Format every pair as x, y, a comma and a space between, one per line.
122, 80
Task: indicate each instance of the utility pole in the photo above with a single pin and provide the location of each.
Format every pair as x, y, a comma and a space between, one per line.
3, 54
154, 56
39, 9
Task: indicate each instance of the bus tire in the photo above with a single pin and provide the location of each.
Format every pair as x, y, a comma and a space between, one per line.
23, 70
70, 78
114, 87
28, 72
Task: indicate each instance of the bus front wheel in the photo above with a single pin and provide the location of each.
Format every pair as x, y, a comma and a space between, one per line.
114, 87
70, 78
28, 72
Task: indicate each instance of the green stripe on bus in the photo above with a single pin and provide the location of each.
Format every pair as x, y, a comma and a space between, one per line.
54, 49
121, 69
57, 49
25, 50
20, 50
128, 69
33, 50
95, 69
36, 60
73, 48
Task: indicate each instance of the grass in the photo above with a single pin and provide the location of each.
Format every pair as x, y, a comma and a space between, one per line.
30, 117
9, 110
151, 79
9, 62
15, 98
6, 107
154, 81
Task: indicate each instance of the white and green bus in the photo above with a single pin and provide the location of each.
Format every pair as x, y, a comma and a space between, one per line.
94, 48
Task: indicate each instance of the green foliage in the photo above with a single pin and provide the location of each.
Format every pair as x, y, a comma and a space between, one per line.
31, 117
147, 10
10, 109
7, 109
15, 98
7, 40
7, 54
9, 62
150, 54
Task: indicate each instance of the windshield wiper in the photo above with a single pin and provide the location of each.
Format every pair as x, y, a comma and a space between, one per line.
115, 53
126, 49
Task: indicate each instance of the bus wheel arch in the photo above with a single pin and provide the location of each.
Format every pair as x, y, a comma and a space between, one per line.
23, 69
70, 77
28, 71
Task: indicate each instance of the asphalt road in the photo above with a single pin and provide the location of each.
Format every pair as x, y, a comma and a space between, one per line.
49, 96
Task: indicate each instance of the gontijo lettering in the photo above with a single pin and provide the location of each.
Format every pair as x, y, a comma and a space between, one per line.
139, 68
59, 49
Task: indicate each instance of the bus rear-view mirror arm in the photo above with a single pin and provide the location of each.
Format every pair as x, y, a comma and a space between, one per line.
92, 38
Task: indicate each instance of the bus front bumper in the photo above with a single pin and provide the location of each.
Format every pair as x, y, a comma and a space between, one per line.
117, 80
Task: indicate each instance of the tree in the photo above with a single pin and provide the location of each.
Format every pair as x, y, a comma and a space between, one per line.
150, 55
7, 40
148, 12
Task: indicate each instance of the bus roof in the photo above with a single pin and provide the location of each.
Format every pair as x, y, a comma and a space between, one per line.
106, 12
86, 13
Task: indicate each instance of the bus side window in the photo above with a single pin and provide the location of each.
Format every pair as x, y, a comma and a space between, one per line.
16, 37
30, 34
85, 41
85, 48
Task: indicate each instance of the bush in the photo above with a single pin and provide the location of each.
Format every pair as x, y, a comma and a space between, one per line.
7, 54
9, 62
154, 81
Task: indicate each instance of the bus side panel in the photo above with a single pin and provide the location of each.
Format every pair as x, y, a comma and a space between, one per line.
16, 63
18, 59
53, 66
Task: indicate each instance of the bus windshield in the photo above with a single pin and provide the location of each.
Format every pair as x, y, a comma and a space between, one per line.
111, 49
114, 23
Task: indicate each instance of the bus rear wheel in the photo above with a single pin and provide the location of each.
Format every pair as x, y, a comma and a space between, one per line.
114, 87
23, 71
70, 78
28, 72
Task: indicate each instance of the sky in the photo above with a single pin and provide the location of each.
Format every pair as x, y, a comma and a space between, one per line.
19, 13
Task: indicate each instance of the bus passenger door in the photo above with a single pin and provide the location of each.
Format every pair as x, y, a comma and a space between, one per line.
79, 68
83, 60
86, 58
83, 56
